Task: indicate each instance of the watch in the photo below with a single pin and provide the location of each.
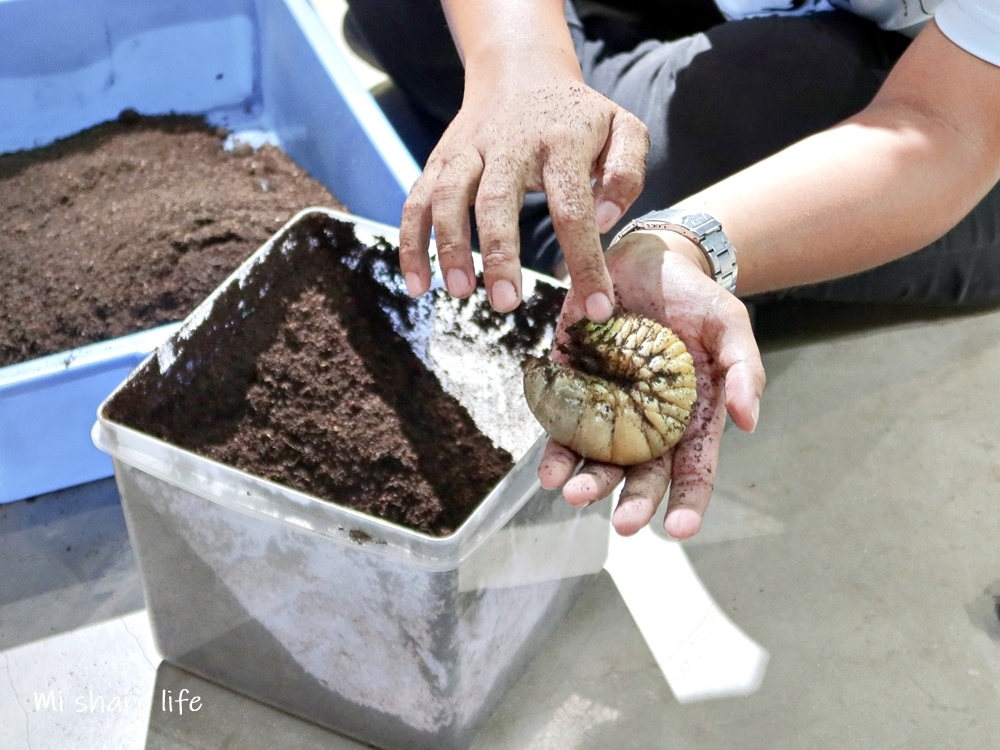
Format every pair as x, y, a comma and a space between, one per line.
703, 230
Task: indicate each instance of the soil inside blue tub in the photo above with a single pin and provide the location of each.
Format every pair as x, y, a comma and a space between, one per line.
129, 225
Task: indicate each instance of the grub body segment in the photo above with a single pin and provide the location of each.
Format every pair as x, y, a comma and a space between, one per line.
625, 395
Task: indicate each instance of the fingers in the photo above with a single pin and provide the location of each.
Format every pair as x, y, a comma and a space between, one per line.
415, 232
644, 490
695, 460
498, 205
454, 191
557, 465
737, 354
441, 199
744, 387
621, 169
452, 195
571, 206
594, 482
490, 160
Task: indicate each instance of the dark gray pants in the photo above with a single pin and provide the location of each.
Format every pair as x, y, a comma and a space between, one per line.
716, 97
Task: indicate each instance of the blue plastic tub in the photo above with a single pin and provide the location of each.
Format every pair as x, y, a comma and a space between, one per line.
265, 69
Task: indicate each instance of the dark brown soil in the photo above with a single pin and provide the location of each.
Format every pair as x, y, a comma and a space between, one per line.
304, 374
129, 225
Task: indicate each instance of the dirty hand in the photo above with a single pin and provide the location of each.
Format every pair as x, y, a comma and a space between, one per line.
520, 131
672, 288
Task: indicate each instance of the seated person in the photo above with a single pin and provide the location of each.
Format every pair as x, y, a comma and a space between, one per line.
848, 151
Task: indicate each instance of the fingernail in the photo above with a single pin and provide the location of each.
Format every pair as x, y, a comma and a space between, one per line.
607, 214
598, 307
458, 283
503, 296
682, 523
755, 413
413, 285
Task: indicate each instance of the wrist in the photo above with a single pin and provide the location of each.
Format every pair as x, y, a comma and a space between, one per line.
501, 63
654, 245
680, 245
700, 229
488, 45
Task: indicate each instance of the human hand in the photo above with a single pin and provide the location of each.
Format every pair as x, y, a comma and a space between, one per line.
671, 288
541, 129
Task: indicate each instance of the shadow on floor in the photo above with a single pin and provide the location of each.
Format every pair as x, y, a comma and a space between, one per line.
66, 563
791, 323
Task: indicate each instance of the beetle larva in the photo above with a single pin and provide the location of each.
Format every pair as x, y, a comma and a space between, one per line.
624, 397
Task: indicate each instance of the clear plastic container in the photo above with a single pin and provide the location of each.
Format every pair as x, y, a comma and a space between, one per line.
392, 636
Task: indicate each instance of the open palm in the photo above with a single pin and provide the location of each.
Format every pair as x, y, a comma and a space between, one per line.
715, 327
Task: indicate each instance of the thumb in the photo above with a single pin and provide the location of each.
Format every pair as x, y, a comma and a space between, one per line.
620, 169
739, 357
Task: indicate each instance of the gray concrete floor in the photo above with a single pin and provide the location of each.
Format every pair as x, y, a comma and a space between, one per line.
843, 593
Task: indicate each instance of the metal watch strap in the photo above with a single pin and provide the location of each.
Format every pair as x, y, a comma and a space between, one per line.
702, 229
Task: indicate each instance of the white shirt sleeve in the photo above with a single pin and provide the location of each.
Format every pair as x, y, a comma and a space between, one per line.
892, 15
974, 25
